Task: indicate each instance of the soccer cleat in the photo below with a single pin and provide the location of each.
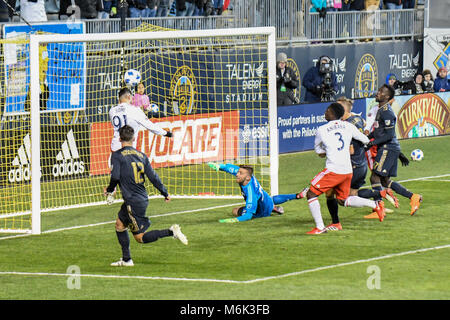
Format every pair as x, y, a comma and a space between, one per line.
122, 263
278, 209
334, 227
214, 166
302, 194
416, 199
372, 215
389, 196
387, 210
177, 234
317, 231
380, 210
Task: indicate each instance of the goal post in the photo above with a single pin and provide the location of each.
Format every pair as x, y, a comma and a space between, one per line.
215, 89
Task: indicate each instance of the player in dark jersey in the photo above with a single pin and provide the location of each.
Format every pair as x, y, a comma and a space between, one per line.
129, 168
388, 148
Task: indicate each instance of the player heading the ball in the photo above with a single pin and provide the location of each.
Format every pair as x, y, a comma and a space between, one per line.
127, 114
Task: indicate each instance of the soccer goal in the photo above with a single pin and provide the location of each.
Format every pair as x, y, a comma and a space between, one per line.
214, 89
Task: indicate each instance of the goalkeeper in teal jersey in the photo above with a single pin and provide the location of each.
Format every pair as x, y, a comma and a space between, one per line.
258, 203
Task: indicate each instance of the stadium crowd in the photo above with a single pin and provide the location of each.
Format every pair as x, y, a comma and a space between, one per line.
40, 10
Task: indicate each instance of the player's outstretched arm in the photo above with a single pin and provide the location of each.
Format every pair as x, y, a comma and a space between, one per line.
229, 168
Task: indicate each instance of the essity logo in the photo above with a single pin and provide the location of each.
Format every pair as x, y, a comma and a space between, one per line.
21, 163
67, 159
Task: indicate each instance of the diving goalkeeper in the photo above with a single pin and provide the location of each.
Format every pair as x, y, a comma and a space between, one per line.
258, 203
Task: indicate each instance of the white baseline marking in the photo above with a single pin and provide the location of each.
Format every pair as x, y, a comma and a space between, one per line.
108, 222
291, 274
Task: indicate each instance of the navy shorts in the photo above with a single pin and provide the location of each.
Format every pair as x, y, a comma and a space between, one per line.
359, 177
386, 162
133, 217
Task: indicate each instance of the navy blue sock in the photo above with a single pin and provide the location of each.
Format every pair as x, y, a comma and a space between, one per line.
333, 208
282, 198
124, 241
369, 193
398, 188
154, 235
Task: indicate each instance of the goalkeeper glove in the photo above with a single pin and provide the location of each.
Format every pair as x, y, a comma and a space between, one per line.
214, 166
368, 146
109, 198
403, 159
169, 134
229, 220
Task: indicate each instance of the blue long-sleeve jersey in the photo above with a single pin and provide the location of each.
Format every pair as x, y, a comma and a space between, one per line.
258, 203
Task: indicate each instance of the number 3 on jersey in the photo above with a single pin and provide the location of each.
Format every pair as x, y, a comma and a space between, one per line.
340, 140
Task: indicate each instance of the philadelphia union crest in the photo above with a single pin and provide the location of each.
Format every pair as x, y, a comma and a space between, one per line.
183, 91
366, 78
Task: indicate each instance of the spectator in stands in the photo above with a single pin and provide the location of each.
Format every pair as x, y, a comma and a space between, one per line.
4, 14
320, 80
394, 5
163, 8
442, 83
392, 81
140, 99
137, 8
205, 7
370, 22
152, 7
89, 9
415, 86
409, 4
287, 82
109, 9
218, 7
185, 8
30, 10
428, 81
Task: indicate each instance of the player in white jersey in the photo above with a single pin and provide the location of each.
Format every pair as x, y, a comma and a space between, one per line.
127, 114
333, 142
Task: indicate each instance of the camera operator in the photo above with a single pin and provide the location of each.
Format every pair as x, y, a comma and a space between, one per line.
286, 82
320, 81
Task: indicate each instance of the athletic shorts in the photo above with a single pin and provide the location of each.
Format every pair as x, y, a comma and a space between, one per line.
327, 180
133, 217
359, 177
385, 163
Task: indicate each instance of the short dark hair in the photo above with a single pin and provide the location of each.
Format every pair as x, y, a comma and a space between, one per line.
124, 91
390, 89
248, 168
337, 109
126, 133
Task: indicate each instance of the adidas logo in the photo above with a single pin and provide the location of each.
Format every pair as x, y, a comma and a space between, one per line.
67, 159
21, 162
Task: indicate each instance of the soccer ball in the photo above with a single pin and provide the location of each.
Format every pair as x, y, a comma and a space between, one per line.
132, 77
417, 155
154, 108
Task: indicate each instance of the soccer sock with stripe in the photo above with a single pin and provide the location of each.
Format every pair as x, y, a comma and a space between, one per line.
282, 198
314, 207
398, 188
357, 202
333, 208
124, 241
154, 235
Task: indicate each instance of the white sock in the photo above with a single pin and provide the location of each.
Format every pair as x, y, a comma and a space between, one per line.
314, 207
358, 202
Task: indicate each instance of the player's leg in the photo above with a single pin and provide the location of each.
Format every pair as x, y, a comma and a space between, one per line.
321, 183
141, 223
123, 238
282, 198
385, 168
344, 198
333, 209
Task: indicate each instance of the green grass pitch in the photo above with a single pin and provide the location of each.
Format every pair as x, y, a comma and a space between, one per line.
270, 258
